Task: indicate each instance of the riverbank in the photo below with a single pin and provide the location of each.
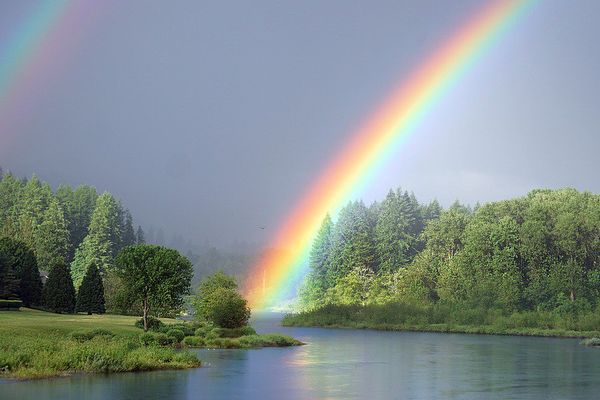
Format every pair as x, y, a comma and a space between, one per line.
404, 317
36, 344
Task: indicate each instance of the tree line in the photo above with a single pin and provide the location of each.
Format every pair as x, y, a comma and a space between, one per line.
538, 252
86, 243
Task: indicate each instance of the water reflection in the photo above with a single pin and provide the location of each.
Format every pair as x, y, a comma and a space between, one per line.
348, 364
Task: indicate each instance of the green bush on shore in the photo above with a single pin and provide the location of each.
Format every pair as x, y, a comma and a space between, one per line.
193, 341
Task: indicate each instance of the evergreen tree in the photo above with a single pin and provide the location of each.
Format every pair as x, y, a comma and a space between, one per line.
129, 237
59, 293
139, 236
9, 283
352, 242
99, 247
52, 238
17, 257
10, 192
90, 297
392, 233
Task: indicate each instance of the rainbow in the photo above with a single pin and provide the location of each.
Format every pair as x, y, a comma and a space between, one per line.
278, 272
34, 48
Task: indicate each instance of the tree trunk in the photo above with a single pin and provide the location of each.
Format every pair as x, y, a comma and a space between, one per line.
145, 316
572, 295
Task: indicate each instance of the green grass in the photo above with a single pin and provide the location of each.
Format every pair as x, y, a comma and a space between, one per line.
37, 344
439, 318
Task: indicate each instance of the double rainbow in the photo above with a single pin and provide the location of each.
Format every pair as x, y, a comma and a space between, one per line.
32, 51
275, 274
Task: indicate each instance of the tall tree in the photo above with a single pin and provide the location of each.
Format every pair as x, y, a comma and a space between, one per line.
52, 238
20, 260
140, 238
99, 245
59, 293
90, 297
155, 276
352, 242
129, 237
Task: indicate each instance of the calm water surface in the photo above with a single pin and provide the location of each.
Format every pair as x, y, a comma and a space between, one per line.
355, 364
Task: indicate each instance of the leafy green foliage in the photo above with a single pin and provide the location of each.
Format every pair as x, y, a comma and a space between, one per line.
90, 297
536, 253
219, 302
153, 323
154, 276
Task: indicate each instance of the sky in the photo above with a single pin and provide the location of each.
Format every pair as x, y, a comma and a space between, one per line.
209, 119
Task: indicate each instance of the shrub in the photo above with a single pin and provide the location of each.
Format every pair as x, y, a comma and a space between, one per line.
226, 308
176, 334
203, 331
154, 324
163, 339
591, 342
193, 341
234, 332
83, 336
148, 339
10, 304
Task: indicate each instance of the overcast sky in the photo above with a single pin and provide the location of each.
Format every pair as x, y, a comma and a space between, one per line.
210, 118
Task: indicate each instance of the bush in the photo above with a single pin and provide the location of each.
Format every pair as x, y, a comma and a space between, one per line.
193, 341
148, 339
84, 336
10, 304
163, 339
226, 308
203, 331
154, 324
234, 332
176, 334
591, 342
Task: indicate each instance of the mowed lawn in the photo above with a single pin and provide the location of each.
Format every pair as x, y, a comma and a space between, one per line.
38, 344
33, 322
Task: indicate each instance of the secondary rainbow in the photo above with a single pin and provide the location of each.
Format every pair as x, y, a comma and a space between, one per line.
280, 269
31, 52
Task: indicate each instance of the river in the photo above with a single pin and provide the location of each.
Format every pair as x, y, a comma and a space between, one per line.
354, 364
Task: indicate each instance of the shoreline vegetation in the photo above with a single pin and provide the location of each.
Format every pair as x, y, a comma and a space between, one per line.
438, 319
36, 344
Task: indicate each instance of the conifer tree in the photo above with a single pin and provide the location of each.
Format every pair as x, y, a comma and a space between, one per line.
52, 238
17, 257
129, 237
140, 236
59, 293
99, 245
90, 297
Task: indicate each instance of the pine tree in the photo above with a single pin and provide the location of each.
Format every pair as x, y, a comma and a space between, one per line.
99, 245
9, 283
21, 260
352, 242
392, 237
315, 284
59, 293
10, 192
139, 236
129, 237
52, 238
90, 297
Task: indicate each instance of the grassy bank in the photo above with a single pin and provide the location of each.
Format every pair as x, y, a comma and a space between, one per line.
36, 344
440, 318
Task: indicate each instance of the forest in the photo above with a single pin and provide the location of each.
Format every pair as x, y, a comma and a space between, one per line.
539, 254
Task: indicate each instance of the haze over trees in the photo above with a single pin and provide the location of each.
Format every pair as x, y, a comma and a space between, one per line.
538, 252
